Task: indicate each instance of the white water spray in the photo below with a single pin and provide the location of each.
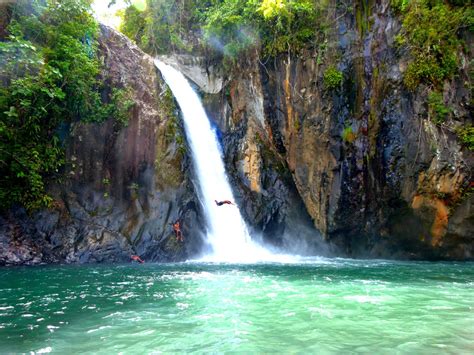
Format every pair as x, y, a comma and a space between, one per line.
227, 232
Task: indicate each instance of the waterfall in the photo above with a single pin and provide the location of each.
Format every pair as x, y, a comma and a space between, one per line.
227, 232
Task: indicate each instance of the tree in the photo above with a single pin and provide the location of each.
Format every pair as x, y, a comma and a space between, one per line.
49, 78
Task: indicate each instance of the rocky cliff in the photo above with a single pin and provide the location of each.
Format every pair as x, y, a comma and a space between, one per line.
122, 186
375, 173
362, 165
358, 169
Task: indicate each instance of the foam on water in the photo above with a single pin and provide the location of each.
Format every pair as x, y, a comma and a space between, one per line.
326, 307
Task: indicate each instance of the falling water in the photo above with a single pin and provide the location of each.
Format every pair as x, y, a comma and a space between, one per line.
227, 232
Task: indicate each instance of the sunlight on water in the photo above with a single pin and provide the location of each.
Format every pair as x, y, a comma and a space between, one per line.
325, 306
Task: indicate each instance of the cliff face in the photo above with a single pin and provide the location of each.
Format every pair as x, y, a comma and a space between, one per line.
358, 170
376, 175
364, 162
122, 187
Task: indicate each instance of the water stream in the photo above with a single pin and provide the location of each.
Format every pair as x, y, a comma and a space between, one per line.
227, 232
321, 306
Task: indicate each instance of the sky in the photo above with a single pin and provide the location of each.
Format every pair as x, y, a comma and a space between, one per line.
108, 15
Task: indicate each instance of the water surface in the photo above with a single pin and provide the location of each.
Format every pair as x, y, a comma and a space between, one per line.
323, 306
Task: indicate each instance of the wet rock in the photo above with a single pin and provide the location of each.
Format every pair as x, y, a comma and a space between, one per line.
205, 76
369, 170
360, 170
123, 186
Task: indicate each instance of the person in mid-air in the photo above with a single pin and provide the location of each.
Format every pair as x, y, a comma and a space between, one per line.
225, 202
177, 231
136, 258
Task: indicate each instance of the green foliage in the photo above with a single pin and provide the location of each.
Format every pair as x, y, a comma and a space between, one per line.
466, 136
430, 29
289, 25
332, 78
162, 26
400, 6
228, 26
49, 77
438, 111
168, 103
277, 25
363, 10
173, 131
348, 135
121, 104
274, 8
133, 23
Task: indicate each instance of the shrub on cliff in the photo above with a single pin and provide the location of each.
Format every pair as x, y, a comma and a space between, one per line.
348, 135
49, 76
436, 107
332, 78
466, 136
430, 29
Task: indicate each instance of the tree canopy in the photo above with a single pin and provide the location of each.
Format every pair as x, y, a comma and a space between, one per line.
227, 26
49, 77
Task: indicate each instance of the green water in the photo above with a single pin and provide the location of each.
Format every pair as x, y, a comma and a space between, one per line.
324, 306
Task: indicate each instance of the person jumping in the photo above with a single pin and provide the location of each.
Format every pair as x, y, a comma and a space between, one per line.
136, 258
177, 231
225, 202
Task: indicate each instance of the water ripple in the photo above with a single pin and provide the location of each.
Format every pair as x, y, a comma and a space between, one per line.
328, 306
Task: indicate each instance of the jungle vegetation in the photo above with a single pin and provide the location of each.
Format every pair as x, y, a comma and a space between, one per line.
227, 26
50, 70
432, 32
49, 78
